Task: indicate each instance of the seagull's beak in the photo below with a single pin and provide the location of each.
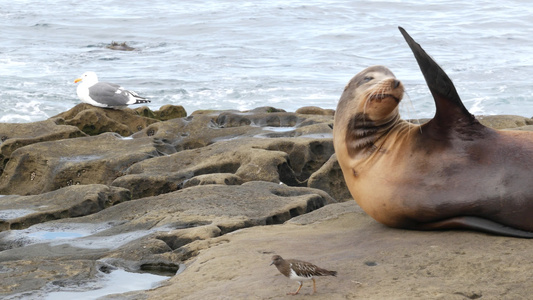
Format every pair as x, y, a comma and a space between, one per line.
77, 80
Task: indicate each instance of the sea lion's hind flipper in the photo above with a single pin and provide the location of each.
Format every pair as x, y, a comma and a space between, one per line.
449, 107
475, 223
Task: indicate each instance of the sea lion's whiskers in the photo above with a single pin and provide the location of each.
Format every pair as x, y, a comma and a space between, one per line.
374, 94
409, 108
377, 92
367, 98
380, 91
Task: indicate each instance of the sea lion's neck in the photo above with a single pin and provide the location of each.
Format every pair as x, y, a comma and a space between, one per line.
362, 133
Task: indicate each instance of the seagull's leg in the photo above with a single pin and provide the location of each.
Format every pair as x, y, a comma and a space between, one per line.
297, 289
314, 286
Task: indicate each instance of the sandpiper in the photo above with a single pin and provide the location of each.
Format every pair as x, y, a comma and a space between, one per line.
299, 270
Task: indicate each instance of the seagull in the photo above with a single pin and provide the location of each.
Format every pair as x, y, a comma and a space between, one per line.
104, 94
299, 270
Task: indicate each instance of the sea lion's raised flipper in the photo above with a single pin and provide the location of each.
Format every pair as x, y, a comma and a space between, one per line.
450, 109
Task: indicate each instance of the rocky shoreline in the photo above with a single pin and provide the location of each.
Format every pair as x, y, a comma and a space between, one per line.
221, 192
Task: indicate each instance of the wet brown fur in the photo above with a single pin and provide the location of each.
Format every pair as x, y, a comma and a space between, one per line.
451, 172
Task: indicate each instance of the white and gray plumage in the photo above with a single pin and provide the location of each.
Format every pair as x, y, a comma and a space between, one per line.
104, 94
299, 270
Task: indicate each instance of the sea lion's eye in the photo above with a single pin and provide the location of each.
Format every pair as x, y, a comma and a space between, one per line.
367, 78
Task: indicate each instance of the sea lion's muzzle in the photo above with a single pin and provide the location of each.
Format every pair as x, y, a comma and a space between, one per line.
396, 83
388, 88
380, 97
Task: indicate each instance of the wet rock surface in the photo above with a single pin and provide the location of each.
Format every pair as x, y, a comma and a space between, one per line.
504, 121
291, 161
153, 231
95, 120
95, 190
32, 275
144, 190
15, 135
372, 261
19, 212
47, 166
329, 178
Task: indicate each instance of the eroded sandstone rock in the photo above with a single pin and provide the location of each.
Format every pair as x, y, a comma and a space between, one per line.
95, 120
330, 179
291, 161
17, 135
214, 178
69, 202
195, 181
27, 278
203, 128
372, 261
313, 110
163, 230
47, 166
504, 121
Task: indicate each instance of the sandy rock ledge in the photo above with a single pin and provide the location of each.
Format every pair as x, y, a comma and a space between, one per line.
94, 190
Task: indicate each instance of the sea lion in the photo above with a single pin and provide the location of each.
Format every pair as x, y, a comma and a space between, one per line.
117, 46
449, 173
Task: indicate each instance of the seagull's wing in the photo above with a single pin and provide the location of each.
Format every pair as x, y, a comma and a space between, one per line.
109, 94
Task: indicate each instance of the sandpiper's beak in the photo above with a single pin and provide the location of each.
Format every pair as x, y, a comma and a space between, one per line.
271, 263
77, 80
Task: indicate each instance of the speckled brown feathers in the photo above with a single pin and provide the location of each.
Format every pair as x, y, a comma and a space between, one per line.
300, 270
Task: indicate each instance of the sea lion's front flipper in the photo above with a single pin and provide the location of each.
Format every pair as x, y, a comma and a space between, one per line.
475, 223
450, 109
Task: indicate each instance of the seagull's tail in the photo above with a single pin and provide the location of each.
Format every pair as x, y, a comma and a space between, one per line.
142, 100
139, 99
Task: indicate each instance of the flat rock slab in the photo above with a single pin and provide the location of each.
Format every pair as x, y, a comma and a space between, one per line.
250, 204
95, 120
17, 135
47, 166
20, 277
205, 128
330, 179
69, 202
287, 160
154, 231
372, 261
210, 190
504, 121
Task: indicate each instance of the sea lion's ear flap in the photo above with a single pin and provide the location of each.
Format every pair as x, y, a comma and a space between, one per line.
450, 108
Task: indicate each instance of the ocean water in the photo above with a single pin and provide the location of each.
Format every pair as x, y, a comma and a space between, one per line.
244, 54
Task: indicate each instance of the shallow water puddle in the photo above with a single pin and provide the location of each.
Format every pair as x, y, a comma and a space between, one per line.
116, 282
9, 214
279, 129
80, 158
127, 137
88, 236
51, 235
317, 136
106, 242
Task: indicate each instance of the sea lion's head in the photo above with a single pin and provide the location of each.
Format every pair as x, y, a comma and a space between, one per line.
367, 108
374, 93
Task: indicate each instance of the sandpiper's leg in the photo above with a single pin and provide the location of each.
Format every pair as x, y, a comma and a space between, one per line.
314, 286
297, 289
